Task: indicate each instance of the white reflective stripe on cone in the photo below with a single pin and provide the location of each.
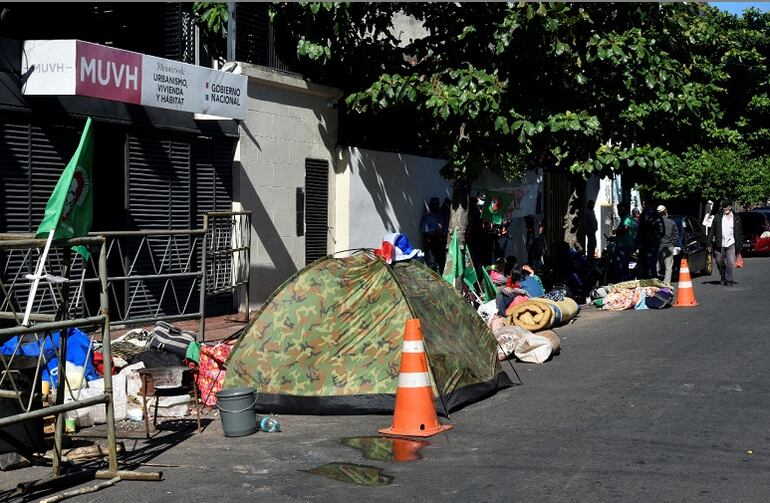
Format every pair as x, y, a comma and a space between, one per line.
684, 269
413, 347
685, 284
413, 380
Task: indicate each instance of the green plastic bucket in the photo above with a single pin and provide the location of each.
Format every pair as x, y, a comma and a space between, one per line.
236, 408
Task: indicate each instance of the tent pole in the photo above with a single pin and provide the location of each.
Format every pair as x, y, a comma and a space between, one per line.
513, 368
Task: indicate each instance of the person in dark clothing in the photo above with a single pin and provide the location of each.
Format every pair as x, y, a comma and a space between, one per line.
479, 240
432, 230
536, 246
503, 242
726, 238
650, 233
667, 244
592, 226
624, 244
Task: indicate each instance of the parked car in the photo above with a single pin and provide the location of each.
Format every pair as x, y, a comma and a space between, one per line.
756, 231
693, 242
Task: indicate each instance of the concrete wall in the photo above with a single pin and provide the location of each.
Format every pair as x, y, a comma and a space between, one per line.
288, 120
382, 192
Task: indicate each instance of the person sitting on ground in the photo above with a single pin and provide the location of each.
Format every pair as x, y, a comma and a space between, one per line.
511, 295
510, 266
531, 282
497, 273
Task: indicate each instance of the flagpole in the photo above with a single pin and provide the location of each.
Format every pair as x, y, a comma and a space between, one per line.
36, 281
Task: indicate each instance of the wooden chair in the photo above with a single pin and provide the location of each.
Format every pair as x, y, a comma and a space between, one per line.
158, 382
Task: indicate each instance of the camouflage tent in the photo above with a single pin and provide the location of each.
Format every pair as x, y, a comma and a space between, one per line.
328, 341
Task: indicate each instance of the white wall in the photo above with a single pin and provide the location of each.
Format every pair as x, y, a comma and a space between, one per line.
288, 120
382, 192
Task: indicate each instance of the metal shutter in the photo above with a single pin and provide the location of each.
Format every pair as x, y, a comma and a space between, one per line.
251, 33
316, 209
213, 189
178, 32
159, 197
212, 177
32, 157
158, 182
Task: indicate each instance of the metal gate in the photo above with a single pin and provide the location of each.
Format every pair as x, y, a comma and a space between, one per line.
28, 400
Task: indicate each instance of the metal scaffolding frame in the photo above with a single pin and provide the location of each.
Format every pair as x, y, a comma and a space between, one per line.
180, 259
45, 329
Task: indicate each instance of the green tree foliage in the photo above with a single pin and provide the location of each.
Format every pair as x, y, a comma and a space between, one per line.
644, 89
716, 174
733, 160
212, 18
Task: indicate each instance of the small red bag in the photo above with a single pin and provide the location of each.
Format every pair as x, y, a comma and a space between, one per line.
739, 261
99, 363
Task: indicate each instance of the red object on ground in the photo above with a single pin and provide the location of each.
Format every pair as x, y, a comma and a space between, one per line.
99, 363
211, 370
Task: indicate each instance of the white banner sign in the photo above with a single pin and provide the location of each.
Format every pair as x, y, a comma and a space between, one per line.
76, 68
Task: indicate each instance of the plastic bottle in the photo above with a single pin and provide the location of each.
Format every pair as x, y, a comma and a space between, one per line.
269, 425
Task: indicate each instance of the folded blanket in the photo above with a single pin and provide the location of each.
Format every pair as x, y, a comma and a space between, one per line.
637, 283
620, 299
540, 314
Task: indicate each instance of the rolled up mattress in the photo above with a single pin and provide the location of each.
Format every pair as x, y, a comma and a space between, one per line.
542, 314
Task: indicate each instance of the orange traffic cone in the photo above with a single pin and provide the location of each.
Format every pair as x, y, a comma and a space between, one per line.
415, 414
685, 295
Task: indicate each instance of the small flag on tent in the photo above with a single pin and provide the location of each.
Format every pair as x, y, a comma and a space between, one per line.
489, 290
69, 211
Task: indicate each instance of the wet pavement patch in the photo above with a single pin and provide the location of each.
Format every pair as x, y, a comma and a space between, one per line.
361, 475
387, 448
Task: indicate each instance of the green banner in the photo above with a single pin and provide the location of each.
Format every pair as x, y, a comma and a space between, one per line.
453, 268
70, 208
489, 290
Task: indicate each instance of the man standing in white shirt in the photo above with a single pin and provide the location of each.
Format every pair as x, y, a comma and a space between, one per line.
726, 236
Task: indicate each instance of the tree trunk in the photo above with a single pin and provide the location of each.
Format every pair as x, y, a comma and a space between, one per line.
458, 218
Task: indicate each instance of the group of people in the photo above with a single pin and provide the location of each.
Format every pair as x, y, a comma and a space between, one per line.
487, 242
514, 284
652, 235
655, 238
491, 242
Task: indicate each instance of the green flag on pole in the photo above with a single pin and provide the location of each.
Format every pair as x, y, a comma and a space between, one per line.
488, 286
453, 268
469, 271
70, 208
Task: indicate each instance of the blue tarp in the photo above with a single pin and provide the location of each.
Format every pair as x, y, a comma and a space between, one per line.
77, 350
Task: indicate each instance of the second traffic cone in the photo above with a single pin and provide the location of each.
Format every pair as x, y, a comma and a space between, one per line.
685, 295
414, 414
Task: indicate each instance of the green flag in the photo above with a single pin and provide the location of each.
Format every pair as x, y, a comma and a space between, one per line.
490, 290
70, 208
453, 268
469, 272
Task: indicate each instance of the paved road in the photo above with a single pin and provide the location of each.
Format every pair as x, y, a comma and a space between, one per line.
640, 406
